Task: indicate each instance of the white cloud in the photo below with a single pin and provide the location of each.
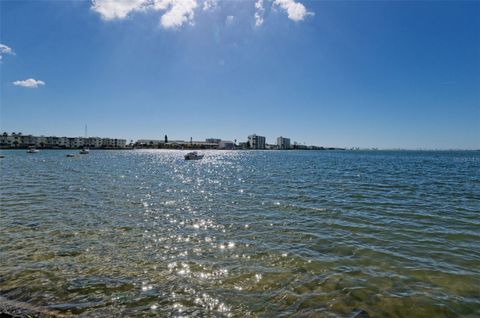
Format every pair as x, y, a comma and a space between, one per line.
5, 50
259, 11
29, 83
177, 12
295, 10
117, 9
210, 5
229, 20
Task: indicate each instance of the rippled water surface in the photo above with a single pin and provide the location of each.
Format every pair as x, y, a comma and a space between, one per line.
242, 234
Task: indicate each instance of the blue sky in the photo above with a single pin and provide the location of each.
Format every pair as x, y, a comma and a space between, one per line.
400, 74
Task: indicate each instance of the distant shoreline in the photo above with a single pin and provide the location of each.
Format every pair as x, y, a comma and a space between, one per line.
185, 148
52, 148
268, 150
169, 147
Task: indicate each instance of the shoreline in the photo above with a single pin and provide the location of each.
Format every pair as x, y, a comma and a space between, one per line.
184, 148
202, 149
48, 148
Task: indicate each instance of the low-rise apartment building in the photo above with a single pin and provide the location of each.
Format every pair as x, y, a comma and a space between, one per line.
18, 140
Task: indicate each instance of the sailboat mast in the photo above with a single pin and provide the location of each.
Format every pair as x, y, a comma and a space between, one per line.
87, 142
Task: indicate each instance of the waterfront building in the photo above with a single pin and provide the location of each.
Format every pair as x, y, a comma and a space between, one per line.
300, 147
256, 142
204, 145
242, 145
53, 141
63, 142
151, 142
226, 145
4, 141
213, 140
176, 144
113, 143
107, 142
13, 140
94, 142
40, 141
76, 142
283, 143
18, 140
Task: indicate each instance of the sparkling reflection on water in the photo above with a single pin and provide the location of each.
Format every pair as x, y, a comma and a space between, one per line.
238, 234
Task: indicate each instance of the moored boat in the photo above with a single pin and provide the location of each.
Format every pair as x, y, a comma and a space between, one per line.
193, 156
32, 150
84, 151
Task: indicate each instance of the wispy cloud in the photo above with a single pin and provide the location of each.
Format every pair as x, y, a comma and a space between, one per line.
4, 50
210, 5
295, 10
229, 20
29, 83
176, 13
259, 11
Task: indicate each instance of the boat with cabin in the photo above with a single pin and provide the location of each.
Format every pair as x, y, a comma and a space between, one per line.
84, 151
32, 149
193, 156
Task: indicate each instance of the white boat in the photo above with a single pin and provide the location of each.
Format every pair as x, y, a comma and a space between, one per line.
32, 150
84, 151
193, 156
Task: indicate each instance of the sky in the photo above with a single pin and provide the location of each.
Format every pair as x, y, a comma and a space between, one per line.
386, 74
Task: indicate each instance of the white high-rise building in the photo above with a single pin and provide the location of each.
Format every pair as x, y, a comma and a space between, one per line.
256, 142
283, 143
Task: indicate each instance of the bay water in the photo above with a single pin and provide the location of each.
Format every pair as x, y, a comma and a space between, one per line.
143, 233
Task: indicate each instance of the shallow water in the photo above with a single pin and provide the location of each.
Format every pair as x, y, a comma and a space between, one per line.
242, 234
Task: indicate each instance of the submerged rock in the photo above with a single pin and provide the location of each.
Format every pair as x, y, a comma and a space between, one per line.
17, 309
360, 314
